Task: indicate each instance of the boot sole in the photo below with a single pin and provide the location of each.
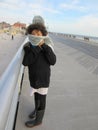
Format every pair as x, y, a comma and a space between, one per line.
32, 126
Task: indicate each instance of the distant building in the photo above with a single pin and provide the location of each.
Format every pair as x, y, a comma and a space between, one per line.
19, 28
4, 25
13, 29
19, 25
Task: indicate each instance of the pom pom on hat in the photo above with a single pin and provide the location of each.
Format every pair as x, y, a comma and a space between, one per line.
38, 20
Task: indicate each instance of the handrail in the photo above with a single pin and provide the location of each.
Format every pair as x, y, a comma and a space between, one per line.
9, 90
80, 37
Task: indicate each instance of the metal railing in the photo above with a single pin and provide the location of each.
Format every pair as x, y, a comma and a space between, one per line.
80, 37
10, 84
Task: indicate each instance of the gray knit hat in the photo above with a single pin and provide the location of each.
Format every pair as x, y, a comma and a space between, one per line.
39, 20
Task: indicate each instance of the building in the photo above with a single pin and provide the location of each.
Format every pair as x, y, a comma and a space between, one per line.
4, 25
19, 25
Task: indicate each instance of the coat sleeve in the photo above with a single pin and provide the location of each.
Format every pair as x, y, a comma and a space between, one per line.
30, 55
49, 54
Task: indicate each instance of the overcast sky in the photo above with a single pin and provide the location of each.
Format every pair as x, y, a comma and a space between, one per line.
65, 16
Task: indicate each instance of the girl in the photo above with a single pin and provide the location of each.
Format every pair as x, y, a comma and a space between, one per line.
39, 55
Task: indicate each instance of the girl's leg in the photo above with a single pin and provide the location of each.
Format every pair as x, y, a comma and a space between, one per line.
37, 103
42, 104
39, 112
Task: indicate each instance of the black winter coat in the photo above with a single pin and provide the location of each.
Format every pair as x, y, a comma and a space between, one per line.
38, 59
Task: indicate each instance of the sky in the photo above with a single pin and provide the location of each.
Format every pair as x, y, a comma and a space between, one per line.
78, 17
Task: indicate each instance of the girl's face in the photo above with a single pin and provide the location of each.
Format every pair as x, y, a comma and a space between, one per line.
36, 32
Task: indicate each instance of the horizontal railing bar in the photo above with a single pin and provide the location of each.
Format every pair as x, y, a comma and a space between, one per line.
8, 84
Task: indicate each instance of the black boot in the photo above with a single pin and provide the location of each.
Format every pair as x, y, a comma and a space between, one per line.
38, 119
32, 114
37, 104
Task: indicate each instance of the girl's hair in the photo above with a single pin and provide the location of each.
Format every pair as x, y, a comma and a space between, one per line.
40, 27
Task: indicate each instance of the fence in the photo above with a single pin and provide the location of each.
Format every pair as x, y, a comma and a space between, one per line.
80, 37
10, 86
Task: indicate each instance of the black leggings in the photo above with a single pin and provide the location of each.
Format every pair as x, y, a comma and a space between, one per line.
40, 101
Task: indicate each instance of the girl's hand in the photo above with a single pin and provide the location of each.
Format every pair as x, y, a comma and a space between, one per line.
41, 43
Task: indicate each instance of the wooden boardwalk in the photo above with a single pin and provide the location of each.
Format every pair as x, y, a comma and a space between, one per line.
72, 101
